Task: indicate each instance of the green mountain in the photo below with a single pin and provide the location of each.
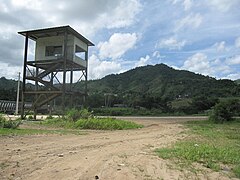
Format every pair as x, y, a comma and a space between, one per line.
237, 81
8, 89
160, 86
165, 82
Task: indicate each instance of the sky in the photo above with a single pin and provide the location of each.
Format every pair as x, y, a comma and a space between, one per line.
199, 36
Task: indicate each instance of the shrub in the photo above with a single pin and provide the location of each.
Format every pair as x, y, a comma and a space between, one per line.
74, 114
30, 117
225, 110
8, 124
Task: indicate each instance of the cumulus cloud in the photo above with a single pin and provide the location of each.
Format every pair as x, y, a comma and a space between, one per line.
171, 43
198, 63
190, 21
99, 68
237, 42
143, 61
93, 16
219, 68
235, 60
117, 46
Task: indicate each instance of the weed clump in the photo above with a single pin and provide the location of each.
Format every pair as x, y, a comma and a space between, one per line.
83, 119
75, 114
4, 123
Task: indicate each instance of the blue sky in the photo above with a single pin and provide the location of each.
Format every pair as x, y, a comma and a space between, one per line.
199, 36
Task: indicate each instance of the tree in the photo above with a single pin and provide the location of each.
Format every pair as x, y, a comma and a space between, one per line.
225, 110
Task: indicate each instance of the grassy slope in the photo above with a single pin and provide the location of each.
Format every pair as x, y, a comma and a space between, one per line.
215, 146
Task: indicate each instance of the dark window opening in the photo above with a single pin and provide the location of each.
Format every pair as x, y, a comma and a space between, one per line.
53, 51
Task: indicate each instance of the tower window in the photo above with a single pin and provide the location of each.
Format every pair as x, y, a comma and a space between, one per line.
53, 51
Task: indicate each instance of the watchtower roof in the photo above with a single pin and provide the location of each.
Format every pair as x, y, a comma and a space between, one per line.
54, 31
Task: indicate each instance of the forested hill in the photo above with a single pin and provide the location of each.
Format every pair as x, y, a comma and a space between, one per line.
164, 82
8, 89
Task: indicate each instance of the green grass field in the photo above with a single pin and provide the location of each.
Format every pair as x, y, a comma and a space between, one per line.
215, 146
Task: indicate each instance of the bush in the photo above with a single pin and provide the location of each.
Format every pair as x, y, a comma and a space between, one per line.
225, 110
8, 124
30, 118
49, 117
74, 114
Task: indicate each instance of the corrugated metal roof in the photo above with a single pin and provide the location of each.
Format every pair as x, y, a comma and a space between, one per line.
54, 31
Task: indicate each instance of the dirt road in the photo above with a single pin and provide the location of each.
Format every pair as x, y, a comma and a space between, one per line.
107, 155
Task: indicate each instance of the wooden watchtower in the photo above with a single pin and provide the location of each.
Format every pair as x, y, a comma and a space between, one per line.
60, 52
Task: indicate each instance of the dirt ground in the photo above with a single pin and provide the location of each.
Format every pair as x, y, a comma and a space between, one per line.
104, 155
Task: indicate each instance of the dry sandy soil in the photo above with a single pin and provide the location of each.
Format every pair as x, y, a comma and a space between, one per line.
107, 155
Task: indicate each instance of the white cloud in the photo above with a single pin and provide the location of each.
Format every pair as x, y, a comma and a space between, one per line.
224, 5
219, 68
220, 46
175, 1
235, 60
190, 21
117, 46
10, 72
156, 54
187, 4
198, 63
234, 76
85, 16
27, 4
237, 42
94, 16
98, 69
175, 67
124, 14
143, 61
171, 44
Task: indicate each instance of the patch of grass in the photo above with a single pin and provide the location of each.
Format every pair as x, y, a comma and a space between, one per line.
236, 170
212, 145
93, 123
4, 123
106, 124
58, 123
3, 165
15, 132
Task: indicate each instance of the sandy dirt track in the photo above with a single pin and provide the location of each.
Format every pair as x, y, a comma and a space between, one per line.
109, 155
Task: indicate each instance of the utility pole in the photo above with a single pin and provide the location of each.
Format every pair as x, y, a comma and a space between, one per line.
18, 87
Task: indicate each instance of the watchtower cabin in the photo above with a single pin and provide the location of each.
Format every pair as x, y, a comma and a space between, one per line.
61, 55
